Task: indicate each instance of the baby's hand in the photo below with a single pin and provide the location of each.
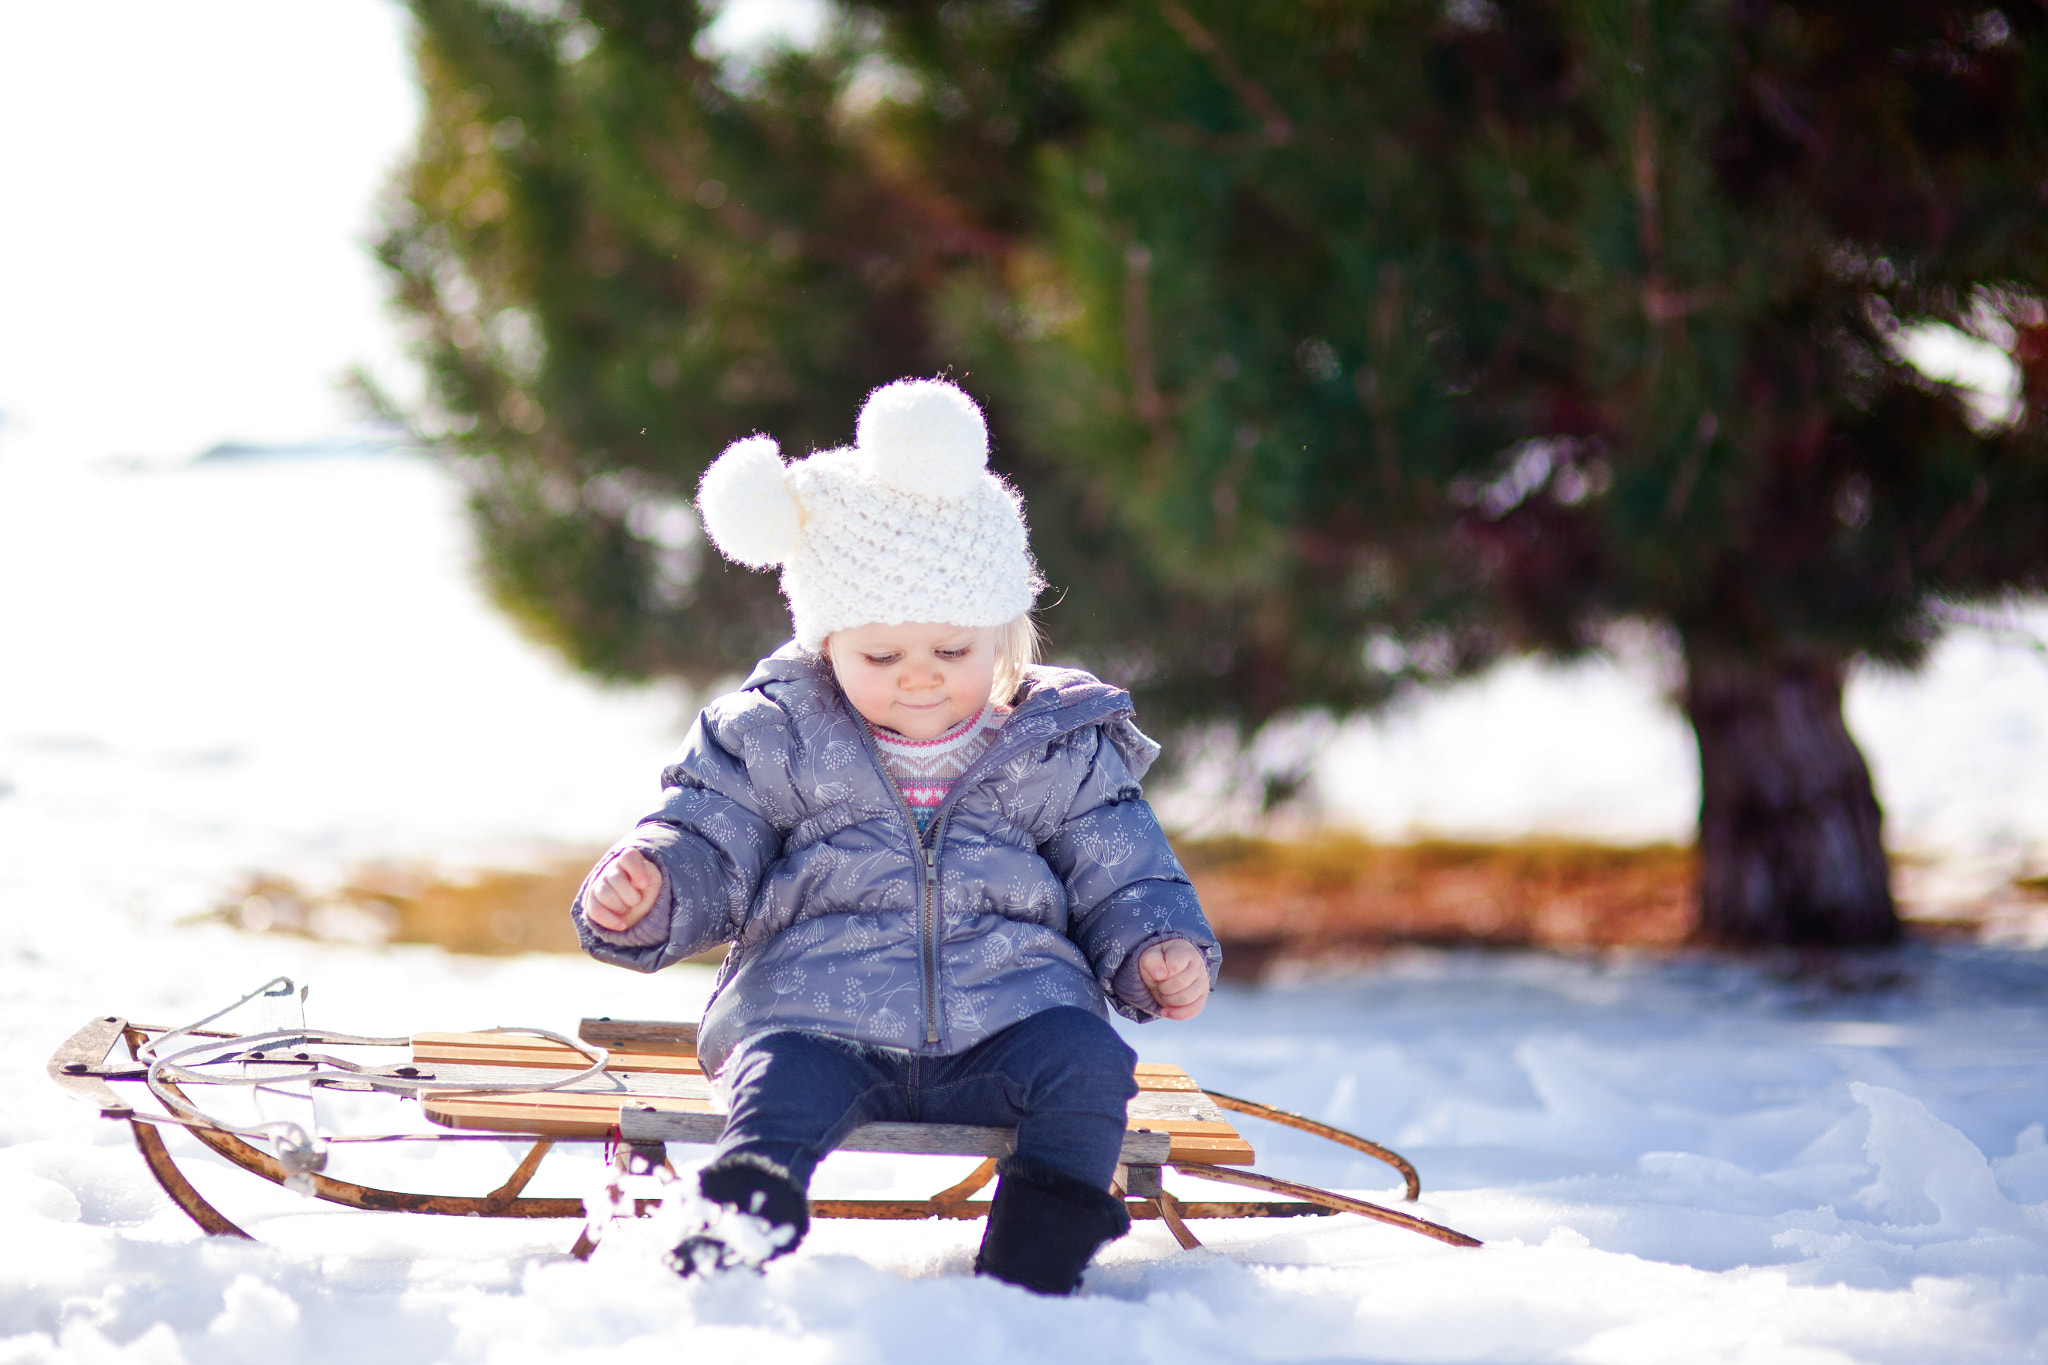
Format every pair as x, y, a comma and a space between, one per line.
624, 892
1177, 977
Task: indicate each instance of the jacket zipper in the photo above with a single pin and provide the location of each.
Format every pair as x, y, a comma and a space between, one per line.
927, 933
941, 818
931, 942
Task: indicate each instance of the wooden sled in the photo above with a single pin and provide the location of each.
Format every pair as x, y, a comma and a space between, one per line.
636, 1086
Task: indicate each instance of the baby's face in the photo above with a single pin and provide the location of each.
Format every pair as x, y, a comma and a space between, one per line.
919, 681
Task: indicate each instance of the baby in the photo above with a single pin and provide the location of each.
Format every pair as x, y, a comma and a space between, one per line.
930, 855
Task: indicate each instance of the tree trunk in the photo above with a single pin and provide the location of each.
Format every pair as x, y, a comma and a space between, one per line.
1790, 839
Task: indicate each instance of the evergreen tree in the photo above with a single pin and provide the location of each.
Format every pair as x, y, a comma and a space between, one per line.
1454, 329
1338, 346
618, 256
618, 264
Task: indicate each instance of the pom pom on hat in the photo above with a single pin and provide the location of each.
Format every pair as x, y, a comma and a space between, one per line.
908, 524
923, 436
749, 509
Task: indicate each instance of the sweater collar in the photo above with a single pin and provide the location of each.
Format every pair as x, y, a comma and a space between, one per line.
937, 744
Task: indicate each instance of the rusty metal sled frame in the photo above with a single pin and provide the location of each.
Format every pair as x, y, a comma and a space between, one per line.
644, 1090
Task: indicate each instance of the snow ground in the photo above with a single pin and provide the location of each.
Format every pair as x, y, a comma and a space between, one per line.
1669, 1162
281, 666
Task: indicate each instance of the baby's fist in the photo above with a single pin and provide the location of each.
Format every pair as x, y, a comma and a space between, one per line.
624, 892
1177, 977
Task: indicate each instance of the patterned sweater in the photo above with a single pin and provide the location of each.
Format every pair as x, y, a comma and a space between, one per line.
924, 770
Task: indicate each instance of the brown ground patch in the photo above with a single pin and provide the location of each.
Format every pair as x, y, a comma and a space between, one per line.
1338, 897
1266, 899
1318, 900
491, 912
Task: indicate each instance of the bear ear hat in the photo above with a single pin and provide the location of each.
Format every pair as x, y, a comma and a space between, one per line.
749, 510
923, 436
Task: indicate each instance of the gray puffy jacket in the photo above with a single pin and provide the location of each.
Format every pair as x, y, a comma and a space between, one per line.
1042, 873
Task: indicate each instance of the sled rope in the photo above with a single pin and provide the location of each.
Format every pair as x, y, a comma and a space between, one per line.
303, 1153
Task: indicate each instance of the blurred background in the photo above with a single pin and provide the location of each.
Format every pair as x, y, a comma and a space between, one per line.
1456, 423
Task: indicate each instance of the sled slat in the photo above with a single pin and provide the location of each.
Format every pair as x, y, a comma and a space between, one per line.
1169, 1105
641, 1035
678, 1038
650, 1045
655, 1054
1218, 1143
1164, 1076
488, 1049
452, 1076
909, 1139
563, 1114
568, 1100
1212, 1150
553, 1113
1175, 1104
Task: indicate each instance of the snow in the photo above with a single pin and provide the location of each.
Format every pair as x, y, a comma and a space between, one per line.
1691, 1161
283, 665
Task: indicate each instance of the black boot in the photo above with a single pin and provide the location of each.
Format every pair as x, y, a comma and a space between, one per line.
757, 1213
1044, 1225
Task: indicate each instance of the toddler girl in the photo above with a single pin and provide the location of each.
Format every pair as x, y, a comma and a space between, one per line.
931, 856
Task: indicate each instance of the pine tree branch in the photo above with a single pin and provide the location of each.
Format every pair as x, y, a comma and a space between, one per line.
1145, 396
1278, 129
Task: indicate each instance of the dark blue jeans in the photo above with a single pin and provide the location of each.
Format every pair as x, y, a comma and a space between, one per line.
1061, 1078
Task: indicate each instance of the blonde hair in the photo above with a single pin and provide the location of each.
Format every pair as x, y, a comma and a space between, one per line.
1016, 650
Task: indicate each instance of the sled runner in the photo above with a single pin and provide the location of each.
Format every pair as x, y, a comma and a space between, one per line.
635, 1086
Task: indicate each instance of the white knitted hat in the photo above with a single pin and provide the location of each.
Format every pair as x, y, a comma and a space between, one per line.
906, 525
